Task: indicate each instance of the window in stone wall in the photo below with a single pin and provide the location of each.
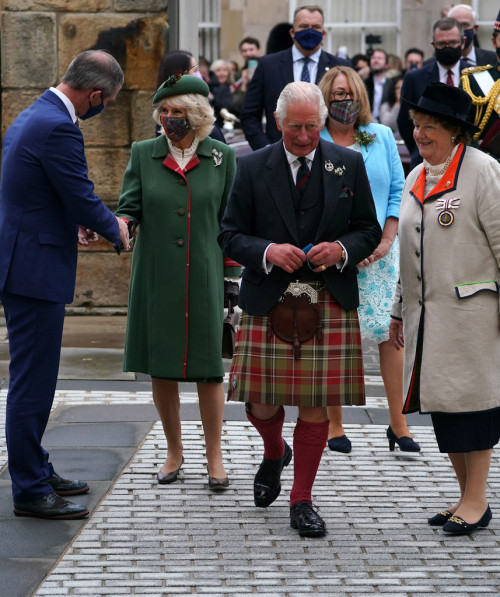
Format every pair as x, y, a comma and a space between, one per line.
209, 28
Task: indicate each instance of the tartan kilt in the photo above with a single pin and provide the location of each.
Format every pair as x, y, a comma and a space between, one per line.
328, 373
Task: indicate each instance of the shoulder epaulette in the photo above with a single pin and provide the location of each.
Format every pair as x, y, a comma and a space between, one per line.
470, 70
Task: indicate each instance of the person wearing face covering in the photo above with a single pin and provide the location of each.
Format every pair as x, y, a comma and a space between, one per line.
47, 205
350, 124
304, 61
482, 83
448, 42
174, 191
471, 55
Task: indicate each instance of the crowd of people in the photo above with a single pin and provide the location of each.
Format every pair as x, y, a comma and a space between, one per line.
327, 235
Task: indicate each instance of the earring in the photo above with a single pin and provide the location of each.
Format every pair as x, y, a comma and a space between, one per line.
453, 139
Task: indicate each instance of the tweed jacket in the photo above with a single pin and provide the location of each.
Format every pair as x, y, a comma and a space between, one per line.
174, 325
449, 287
260, 211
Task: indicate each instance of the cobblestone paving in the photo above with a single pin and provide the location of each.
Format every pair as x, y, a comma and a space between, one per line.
183, 539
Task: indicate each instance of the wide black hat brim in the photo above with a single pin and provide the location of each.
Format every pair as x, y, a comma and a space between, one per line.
469, 126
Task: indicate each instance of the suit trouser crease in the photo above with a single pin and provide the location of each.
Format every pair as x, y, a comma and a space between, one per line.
35, 334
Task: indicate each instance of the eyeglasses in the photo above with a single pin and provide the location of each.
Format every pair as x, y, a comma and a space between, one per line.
441, 45
338, 96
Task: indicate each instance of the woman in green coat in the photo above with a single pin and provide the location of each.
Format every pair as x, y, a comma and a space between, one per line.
175, 190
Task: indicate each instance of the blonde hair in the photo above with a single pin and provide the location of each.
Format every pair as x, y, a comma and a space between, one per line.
200, 113
356, 86
216, 64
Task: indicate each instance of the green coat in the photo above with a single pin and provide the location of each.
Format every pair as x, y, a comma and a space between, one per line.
175, 315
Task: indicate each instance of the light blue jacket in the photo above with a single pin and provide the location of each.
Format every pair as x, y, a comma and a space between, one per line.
384, 169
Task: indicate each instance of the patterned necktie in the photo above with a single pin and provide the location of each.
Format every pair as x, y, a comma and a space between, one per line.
305, 72
449, 78
303, 174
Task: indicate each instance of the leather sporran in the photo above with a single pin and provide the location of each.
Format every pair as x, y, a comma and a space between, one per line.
295, 318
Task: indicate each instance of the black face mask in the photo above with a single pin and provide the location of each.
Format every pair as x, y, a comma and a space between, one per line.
448, 56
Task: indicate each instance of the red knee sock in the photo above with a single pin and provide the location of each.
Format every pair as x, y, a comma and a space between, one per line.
308, 444
271, 432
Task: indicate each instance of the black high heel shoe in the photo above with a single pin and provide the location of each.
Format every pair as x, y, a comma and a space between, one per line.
406, 444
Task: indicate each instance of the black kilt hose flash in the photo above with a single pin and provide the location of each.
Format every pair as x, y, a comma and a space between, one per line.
328, 373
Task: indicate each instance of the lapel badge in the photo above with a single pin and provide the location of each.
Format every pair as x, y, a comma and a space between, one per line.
328, 166
448, 203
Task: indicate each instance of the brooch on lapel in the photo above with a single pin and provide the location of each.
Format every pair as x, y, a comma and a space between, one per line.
446, 216
217, 157
328, 166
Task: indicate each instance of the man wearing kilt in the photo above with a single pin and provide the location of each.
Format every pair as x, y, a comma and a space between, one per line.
300, 216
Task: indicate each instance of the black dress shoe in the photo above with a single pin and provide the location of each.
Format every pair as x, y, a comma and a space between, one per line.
304, 518
440, 518
52, 507
65, 486
340, 444
267, 482
457, 525
167, 478
405, 443
218, 482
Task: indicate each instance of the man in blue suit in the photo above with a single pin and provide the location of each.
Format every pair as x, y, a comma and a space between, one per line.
47, 205
304, 61
448, 41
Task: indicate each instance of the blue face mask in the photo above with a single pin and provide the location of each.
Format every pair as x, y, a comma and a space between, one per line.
308, 38
93, 111
469, 37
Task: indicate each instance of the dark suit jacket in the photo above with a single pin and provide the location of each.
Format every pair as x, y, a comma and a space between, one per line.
260, 211
45, 194
414, 83
273, 72
484, 57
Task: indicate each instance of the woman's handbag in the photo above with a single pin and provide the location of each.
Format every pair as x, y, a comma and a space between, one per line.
231, 292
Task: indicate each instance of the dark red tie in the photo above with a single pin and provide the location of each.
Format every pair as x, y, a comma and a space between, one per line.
303, 174
449, 78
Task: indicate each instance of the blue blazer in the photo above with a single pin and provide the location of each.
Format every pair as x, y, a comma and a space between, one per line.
260, 210
45, 194
273, 72
384, 169
414, 83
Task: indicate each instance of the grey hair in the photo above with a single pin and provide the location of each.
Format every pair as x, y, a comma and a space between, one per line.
300, 92
200, 113
96, 69
467, 6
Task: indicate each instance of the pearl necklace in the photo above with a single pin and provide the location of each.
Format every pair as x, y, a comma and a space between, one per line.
441, 168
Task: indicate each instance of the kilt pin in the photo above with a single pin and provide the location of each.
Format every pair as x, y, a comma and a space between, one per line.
266, 207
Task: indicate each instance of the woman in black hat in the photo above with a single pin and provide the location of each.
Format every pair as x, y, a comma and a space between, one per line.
175, 190
446, 312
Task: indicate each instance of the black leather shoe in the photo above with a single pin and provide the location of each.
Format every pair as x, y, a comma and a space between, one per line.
167, 478
267, 482
405, 443
440, 518
52, 507
218, 482
65, 487
457, 525
340, 444
304, 518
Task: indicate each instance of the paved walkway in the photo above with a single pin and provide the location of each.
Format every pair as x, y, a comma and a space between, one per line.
183, 539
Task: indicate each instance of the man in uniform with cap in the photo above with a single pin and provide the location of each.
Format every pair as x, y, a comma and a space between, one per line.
482, 83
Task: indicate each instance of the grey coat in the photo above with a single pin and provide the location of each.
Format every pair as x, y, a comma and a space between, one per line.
449, 289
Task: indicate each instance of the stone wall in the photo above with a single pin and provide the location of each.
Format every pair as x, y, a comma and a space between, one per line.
39, 38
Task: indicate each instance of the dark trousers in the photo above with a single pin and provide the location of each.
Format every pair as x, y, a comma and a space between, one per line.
35, 335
